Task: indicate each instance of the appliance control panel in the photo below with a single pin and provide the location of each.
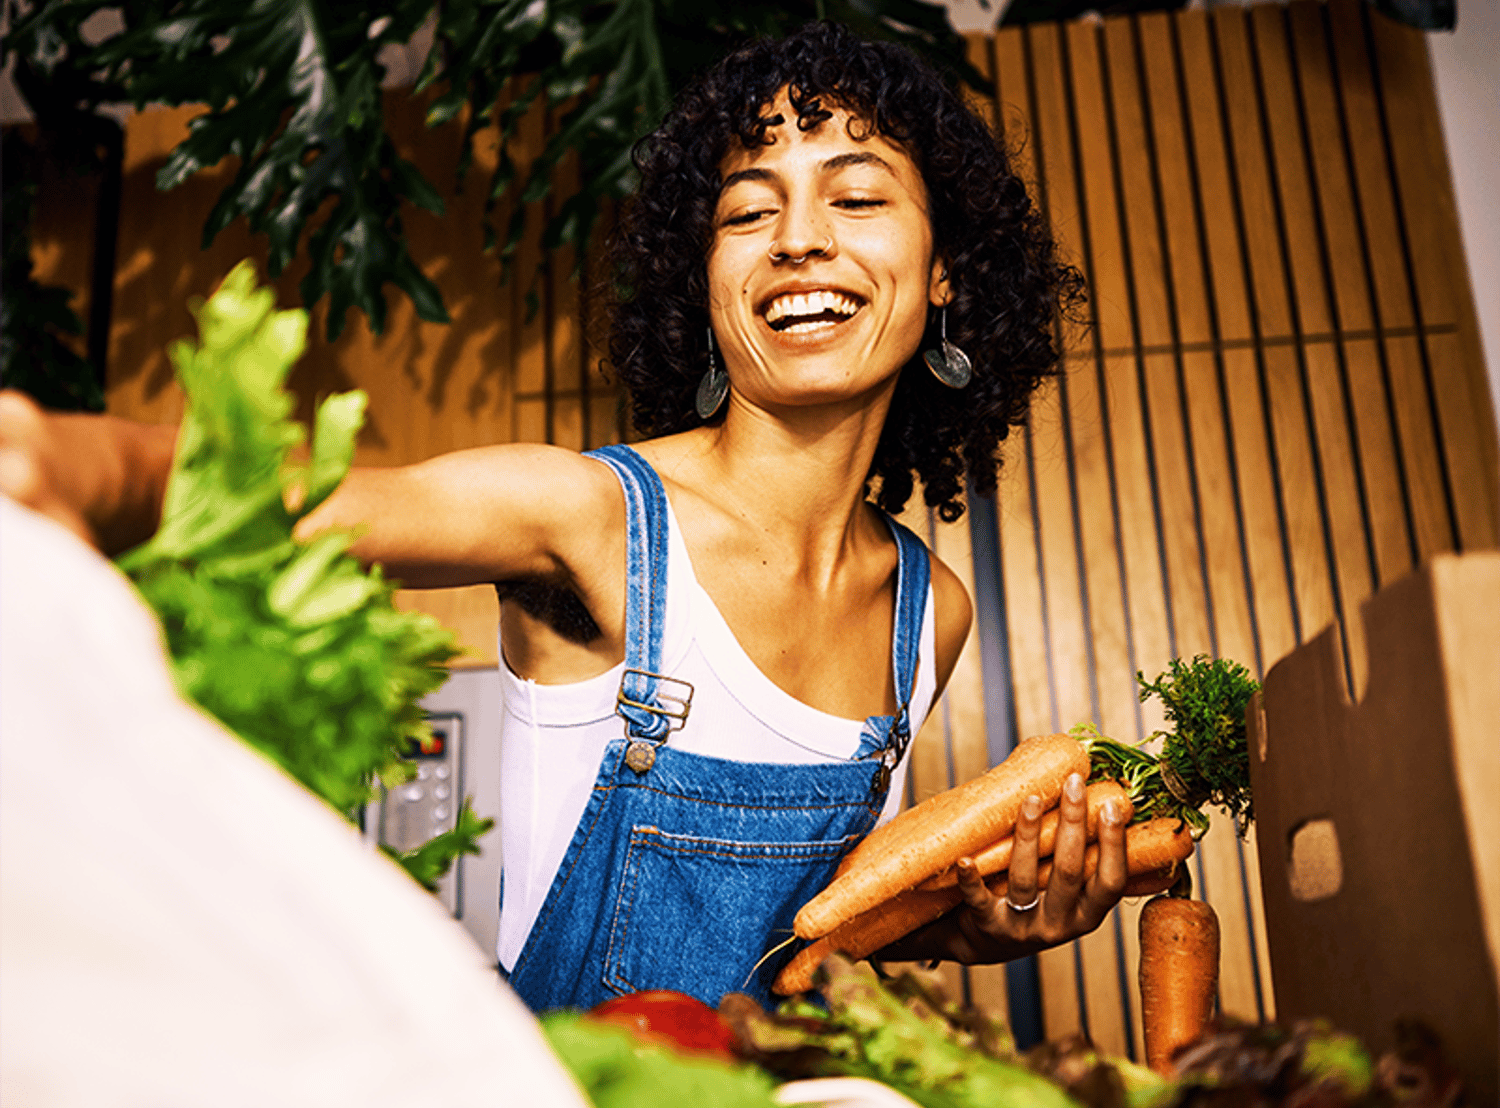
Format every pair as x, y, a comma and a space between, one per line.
428, 804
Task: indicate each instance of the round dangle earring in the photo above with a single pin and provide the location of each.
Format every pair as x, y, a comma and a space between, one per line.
948, 363
714, 387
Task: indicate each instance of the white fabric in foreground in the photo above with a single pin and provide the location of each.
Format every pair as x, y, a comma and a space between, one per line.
183, 925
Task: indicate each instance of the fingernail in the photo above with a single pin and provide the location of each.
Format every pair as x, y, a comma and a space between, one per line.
1112, 814
1031, 808
17, 475
1074, 786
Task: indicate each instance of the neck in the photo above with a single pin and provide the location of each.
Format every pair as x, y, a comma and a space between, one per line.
797, 476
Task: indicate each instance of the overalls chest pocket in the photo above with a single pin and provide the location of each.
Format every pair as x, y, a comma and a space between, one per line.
691, 909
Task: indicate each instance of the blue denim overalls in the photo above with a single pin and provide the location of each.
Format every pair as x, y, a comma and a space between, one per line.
685, 869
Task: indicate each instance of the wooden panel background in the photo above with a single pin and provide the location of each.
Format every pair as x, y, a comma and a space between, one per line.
1275, 405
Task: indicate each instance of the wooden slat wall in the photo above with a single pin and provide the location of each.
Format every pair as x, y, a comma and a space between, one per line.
1276, 404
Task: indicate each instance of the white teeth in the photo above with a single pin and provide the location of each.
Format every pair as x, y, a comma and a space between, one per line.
799, 304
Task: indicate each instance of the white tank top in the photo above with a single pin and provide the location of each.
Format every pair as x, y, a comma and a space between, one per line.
552, 737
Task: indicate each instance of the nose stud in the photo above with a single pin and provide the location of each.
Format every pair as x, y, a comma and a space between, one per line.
778, 255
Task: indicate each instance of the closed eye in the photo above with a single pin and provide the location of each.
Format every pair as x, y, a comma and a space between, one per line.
745, 217
856, 203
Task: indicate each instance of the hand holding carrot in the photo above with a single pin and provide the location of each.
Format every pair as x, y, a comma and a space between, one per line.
916, 889
1027, 918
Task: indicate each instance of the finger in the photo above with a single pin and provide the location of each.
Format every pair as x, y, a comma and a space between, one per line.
18, 412
1107, 884
1066, 880
977, 894
21, 480
1022, 887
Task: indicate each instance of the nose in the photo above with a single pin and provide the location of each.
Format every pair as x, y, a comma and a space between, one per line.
802, 235
791, 252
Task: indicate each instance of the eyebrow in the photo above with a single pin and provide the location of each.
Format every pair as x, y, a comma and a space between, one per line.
832, 165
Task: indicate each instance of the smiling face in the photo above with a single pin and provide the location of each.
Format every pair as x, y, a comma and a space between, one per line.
822, 268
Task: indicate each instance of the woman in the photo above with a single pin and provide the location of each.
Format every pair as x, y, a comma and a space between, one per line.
822, 230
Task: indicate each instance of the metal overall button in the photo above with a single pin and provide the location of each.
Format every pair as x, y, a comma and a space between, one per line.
670, 704
640, 756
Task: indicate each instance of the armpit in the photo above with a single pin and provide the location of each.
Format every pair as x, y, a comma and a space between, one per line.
555, 605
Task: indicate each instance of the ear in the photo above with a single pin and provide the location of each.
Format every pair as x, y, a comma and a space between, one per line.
939, 291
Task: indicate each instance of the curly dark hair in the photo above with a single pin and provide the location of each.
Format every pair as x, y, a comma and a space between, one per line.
1008, 286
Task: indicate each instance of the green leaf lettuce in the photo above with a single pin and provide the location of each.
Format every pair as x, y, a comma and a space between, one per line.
292, 644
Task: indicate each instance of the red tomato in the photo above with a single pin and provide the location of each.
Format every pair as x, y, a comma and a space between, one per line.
664, 1016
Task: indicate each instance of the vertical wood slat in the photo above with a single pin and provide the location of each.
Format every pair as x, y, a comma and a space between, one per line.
1348, 274
1335, 464
1189, 508
1092, 526
1417, 455
1227, 597
1434, 254
1043, 106
963, 704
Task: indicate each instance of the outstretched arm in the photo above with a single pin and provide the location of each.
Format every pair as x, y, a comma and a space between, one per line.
488, 514
101, 477
472, 517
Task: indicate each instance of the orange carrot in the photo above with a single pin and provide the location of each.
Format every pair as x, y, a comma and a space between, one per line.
1150, 848
996, 857
1151, 882
942, 829
867, 932
1179, 975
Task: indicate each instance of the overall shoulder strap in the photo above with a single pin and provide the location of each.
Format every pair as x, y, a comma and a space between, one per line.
912, 576
912, 580
651, 703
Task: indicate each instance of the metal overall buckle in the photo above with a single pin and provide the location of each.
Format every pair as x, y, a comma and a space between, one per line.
890, 754
640, 754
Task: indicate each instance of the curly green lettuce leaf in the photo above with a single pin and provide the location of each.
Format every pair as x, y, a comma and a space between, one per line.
617, 1070
901, 1035
292, 644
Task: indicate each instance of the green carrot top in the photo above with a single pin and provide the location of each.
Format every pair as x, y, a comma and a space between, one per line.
1204, 759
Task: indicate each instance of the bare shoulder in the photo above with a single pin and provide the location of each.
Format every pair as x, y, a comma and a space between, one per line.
954, 615
552, 480
484, 514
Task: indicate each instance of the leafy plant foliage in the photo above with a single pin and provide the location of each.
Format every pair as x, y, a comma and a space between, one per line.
293, 95
1204, 759
290, 644
34, 355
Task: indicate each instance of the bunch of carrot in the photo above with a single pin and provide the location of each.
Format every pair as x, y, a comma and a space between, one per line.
1204, 759
902, 875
